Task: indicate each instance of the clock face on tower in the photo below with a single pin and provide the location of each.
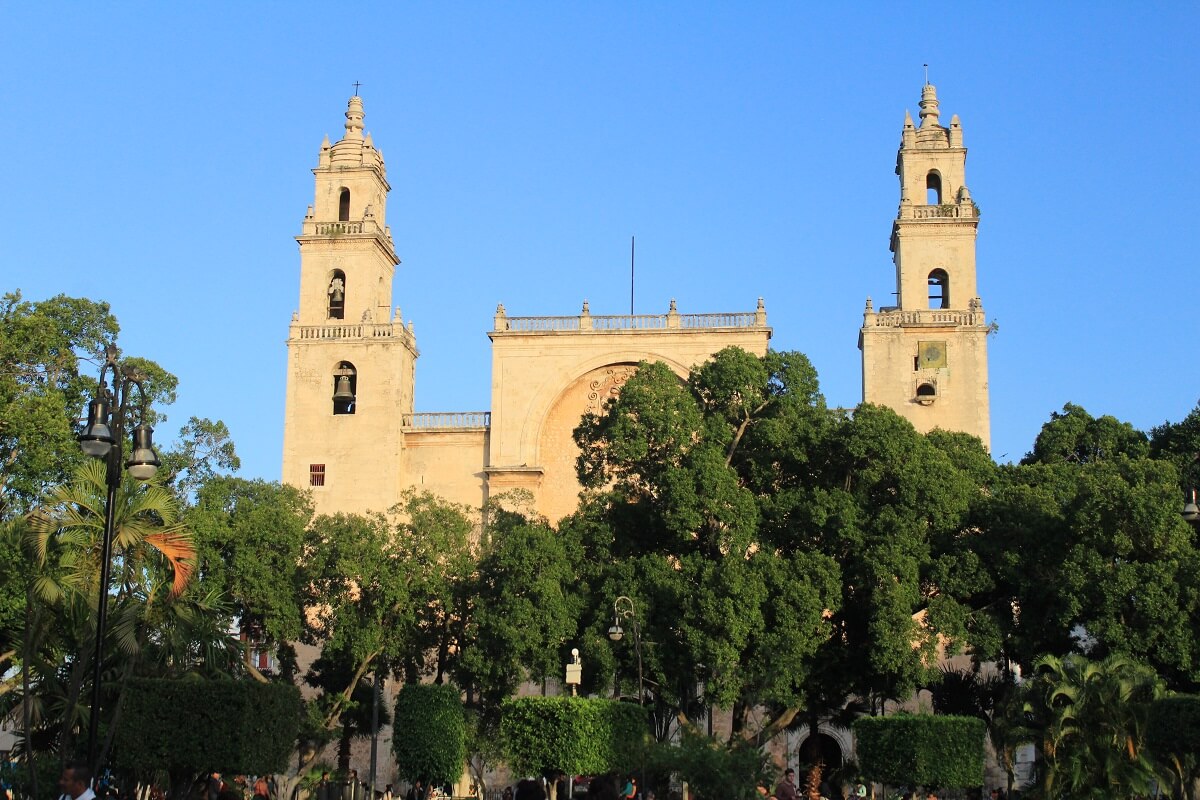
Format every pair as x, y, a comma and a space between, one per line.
931, 355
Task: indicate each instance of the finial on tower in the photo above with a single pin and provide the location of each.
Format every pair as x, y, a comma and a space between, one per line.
929, 105
354, 118
926, 66
357, 84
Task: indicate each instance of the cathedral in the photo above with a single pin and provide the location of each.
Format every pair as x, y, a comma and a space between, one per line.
350, 430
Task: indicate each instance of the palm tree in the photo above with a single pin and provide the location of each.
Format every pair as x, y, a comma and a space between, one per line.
1092, 717
154, 557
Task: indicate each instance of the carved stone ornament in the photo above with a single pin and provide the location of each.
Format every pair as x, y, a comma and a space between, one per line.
607, 387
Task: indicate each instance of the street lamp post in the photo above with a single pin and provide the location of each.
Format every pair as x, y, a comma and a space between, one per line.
1191, 511
104, 437
623, 610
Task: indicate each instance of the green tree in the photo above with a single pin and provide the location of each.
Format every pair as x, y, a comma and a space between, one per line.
1079, 548
357, 592
42, 347
1090, 557
522, 612
752, 526
331, 672
203, 450
682, 524
434, 539
250, 536
1075, 436
1179, 443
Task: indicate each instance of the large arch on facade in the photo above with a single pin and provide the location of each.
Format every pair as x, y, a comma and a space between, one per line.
552, 394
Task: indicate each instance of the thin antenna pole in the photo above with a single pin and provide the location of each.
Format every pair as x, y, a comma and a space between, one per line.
632, 243
926, 73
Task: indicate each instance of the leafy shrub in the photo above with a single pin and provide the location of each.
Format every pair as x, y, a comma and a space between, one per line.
429, 733
194, 726
1173, 736
925, 750
578, 735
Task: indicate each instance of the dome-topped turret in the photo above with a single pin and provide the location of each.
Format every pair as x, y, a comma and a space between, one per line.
929, 106
355, 150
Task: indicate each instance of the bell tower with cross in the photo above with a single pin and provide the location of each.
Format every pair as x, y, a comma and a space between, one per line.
926, 356
351, 360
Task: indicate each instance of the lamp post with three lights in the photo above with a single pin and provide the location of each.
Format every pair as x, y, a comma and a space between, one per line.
104, 437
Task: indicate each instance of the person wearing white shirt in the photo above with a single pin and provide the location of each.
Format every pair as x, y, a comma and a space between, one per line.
74, 784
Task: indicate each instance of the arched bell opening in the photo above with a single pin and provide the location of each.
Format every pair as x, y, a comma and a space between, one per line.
939, 289
933, 188
336, 292
345, 388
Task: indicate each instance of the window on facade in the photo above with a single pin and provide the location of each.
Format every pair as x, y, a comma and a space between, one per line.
939, 289
345, 388
337, 295
316, 474
344, 206
933, 189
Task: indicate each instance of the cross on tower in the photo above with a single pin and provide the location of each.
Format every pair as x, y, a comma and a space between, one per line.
356, 85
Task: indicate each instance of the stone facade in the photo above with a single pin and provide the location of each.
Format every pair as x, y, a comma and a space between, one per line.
926, 357
350, 432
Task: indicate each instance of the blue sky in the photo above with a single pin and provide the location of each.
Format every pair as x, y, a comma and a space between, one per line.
159, 158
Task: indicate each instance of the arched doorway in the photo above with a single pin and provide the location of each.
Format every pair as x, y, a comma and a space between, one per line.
824, 750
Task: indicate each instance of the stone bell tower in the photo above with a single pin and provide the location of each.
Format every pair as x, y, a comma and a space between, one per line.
926, 356
351, 361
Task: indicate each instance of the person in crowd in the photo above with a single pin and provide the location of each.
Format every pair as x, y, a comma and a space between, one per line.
75, 782
786, 788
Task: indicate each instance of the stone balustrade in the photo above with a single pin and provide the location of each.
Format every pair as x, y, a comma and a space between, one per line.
740, 319
631, 322
335, 228
447, 420
944, 211
628, 322
362, 330
939, 316
528, 324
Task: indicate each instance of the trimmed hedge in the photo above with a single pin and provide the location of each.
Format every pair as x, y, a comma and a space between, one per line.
195, 725
925, 750
1173, 726
578, 735
429, 733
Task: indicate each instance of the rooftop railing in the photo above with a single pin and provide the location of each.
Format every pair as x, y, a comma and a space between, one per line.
447, 420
